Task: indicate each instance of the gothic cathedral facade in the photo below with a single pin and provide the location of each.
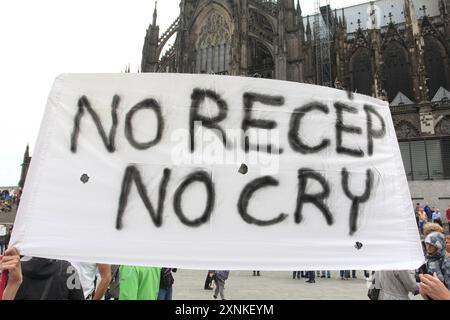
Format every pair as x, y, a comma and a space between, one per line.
396, 50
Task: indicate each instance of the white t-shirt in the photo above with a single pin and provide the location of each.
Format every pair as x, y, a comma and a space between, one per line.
87, 272
2, 230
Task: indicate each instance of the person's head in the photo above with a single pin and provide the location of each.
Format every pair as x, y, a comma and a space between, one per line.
421, 209
432, 227
417, 204
435, 244
431, 250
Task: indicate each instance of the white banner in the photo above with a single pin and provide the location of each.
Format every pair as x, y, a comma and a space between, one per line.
216, 172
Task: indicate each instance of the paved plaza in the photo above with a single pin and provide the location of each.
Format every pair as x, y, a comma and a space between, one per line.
242, 285
8, 217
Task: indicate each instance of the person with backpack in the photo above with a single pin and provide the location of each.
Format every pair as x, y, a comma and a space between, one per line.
113, 291
166, 283
220, 277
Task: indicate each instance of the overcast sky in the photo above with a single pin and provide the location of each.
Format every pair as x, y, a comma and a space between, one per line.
43, 38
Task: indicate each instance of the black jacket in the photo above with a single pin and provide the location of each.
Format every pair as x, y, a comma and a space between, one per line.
166, 279
45, 279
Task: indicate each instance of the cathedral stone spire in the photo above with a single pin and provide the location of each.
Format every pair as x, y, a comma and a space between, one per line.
308, 26
300, 19
155, 13
25, 165
27, 153
150, 54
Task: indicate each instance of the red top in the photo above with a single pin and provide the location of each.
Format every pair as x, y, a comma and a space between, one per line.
448, 214
3, 283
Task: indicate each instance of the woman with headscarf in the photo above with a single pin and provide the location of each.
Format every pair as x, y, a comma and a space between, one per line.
437, 261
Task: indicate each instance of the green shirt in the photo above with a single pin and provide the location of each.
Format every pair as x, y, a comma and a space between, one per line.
139, 283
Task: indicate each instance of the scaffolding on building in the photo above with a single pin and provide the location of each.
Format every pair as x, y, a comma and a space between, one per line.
323, 38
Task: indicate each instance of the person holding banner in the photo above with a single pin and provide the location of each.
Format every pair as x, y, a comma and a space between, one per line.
432, 287
49, 279
11, 272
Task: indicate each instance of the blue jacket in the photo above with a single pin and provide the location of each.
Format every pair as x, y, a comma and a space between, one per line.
222, 274
428, 211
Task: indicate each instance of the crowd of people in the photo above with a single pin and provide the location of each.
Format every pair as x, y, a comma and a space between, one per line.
8, 199
49, 279
311, 275
431, 280
428, 214
41, 279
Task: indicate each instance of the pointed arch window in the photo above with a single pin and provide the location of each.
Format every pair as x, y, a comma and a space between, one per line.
361, 70
260, 59
397, 74
213, 46
436, 66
